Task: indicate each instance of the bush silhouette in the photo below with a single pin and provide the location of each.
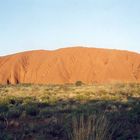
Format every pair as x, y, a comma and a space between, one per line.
78, 83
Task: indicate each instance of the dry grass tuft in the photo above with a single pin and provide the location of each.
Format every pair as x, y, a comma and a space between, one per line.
93, 127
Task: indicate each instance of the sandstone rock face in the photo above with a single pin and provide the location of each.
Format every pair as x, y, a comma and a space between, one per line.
69, 65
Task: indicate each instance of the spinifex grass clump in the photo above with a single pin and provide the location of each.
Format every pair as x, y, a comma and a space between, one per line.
92, 127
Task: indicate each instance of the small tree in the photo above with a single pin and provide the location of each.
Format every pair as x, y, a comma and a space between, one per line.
78, 83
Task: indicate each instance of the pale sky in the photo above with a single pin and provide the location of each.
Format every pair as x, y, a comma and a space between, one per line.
52, 24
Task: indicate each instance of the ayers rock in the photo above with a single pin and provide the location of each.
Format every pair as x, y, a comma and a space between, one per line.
69, 65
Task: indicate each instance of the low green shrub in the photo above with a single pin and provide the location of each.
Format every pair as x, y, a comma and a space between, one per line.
45, 113
3, 108
14, 113
32, 110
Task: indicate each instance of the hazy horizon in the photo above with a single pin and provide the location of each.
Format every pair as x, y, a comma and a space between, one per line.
49, 25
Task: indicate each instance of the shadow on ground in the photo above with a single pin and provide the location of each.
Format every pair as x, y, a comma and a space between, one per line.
70, 120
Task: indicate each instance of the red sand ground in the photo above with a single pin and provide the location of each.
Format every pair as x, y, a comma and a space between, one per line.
69, 65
